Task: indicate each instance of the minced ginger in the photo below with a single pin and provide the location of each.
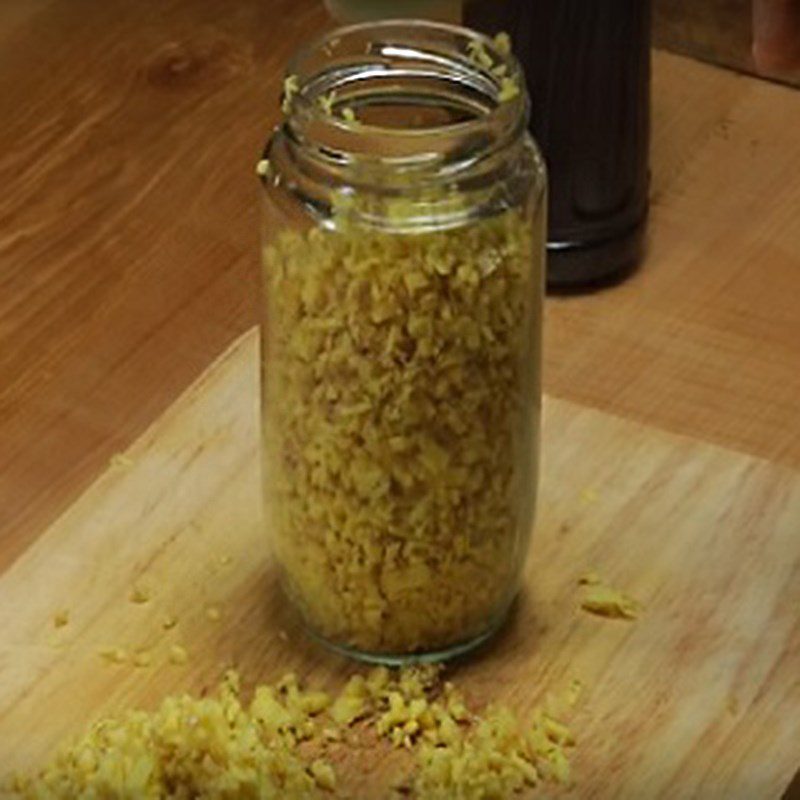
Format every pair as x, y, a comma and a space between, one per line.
603, 600
278, 745
398, 431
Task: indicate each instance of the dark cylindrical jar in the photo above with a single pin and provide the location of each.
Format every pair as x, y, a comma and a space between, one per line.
587, 64
403, 225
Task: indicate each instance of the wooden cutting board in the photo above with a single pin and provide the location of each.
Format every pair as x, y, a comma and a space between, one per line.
700, 697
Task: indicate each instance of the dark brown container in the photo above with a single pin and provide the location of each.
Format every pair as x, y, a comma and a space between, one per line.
587, 63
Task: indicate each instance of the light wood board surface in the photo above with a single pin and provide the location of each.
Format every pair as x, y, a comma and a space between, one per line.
128, 246
700, 697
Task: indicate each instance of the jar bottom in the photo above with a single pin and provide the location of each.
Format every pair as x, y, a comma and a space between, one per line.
440, 655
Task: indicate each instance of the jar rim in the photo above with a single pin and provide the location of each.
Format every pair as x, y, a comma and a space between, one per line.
408, 173
471, 55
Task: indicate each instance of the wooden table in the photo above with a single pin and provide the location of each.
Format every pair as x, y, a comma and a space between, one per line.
128, 248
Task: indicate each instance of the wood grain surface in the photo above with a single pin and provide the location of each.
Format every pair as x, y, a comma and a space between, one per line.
128, 253
699, 697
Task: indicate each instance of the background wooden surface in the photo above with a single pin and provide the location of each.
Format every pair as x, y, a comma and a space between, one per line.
128, 134
699, 697
719, 31
128, 240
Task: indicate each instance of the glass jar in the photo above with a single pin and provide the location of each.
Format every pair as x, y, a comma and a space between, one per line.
403, 275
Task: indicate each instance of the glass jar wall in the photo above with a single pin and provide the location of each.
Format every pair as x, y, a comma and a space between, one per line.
403, 263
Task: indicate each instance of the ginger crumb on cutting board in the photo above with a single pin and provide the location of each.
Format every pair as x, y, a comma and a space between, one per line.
178, 654
275, 744
142, 659
589, 495
121, 461
61, 618
114, 655
139, 595
603, 600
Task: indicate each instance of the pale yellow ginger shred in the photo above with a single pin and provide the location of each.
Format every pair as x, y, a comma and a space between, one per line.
574, 692
331, 734
121, 461
139, 595
262, 167
178, 655
497, 758
219, 748
479, 55
327, 102
213, 613
590, 579
61, 618
502, 43
291, 86
605, 601
323, 774
398, 365
142, 659
352, 702
458, 754
589, 495
509, 89
214, 748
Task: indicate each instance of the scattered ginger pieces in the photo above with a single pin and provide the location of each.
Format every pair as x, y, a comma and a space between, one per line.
61, 618
139, 595
291, 86
178, 655
215, 748
142, 659
351, 703
603, 600
121, 461
589, 495
590, 579
574, 692
114, 655
219, 747
502, 43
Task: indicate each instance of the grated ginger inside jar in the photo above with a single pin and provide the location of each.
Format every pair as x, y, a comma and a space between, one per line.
398, 428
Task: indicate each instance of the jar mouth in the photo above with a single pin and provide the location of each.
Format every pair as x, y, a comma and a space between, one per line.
406, 91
